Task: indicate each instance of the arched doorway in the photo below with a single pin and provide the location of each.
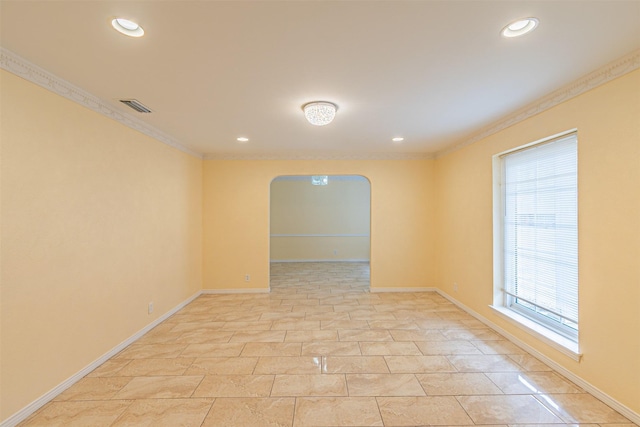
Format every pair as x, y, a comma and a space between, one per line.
320, 230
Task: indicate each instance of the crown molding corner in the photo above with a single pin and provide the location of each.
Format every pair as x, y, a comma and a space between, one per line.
19, 66
602, 75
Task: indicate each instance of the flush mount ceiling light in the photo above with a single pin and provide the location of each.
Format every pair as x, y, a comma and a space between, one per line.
320, 180
242, 139
127, 27
397, 139
320, 113
520, 27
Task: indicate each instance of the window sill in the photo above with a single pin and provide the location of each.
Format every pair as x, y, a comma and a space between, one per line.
555, 340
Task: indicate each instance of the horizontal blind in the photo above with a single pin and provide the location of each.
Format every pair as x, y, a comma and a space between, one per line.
541, 231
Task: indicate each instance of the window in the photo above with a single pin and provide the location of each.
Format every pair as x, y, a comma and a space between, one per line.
537, 235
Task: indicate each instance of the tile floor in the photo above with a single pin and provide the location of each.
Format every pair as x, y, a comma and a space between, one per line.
320, 350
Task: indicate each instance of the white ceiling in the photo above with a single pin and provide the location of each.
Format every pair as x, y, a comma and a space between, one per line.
434, 72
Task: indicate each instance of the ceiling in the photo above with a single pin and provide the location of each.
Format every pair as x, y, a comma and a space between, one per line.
433, 72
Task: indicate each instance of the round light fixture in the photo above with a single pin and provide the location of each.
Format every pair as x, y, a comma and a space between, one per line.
520, 27
320, 113
397, 139
127, 27
242, 139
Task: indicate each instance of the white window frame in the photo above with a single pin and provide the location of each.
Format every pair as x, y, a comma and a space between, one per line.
537, 326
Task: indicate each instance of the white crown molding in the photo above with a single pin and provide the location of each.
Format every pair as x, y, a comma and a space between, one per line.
605, 74
319, 155
19, 66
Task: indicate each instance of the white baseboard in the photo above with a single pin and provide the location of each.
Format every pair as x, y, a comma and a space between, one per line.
321, 260
25, 412
417, 289
235, 291
596, 392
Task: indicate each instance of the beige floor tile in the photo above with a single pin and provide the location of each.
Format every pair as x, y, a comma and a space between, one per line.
532, 383
263, 412
309, 385
581, 408
301, 301
529, 363
485, 363
213, 350
197, 326
321, 332
289, 365
94, 389
296, 325
239, 317
329, 348
165, 413
223, 366
447, 348
457, 384
507, 409
271, 349
247, 326
418, 364
78, 414
392, 324
417, 411
472, 334
329, 316
154, 367
336, 412
275, 316
164, 387
497, 347
364, 335
148, 351
389, 349
344, 324
110, 368
160, 338
258, 336
235, 386
416, 335
384, 385
354, 365
311, 309
311, 336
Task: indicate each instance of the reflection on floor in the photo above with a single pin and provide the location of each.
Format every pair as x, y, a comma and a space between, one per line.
320, 350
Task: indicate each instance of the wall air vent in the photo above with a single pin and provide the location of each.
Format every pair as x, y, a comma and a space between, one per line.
136, 105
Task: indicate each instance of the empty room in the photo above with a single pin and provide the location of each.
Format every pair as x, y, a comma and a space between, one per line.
320, 213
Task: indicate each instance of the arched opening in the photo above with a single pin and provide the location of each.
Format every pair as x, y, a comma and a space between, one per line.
320, 231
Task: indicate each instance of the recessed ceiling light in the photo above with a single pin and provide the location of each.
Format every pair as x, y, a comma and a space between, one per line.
397, 139
520, 27
320, 113
242, 139
127, 27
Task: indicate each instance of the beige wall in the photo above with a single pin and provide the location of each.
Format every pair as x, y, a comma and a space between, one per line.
97, 221
337, 215
608, 123
236, 219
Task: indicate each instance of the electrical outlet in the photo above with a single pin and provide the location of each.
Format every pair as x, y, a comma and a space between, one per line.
247, 278
151, 307
335, 252
455, 287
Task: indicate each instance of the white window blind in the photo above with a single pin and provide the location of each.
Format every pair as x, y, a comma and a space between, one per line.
540, 201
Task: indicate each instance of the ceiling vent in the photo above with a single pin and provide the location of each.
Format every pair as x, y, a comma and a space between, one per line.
136, 105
